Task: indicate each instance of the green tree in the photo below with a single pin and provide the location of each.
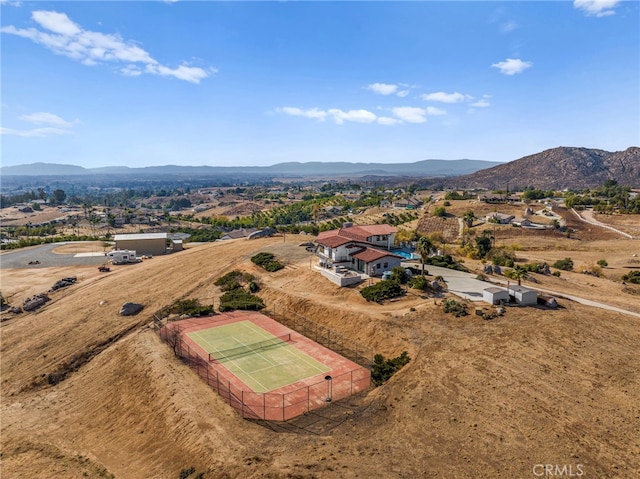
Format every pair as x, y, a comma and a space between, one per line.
424, 248
440, 212
468, 218
59, 196
520, 273
483, 244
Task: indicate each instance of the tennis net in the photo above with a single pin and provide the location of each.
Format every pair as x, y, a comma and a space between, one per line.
245, 349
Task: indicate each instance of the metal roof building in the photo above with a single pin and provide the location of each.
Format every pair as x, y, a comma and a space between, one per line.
143, 243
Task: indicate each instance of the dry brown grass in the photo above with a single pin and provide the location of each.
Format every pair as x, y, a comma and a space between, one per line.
479, 398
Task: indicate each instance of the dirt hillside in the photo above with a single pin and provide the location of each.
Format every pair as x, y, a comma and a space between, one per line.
88, 393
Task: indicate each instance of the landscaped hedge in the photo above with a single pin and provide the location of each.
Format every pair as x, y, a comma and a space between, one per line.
385, 289
267, 261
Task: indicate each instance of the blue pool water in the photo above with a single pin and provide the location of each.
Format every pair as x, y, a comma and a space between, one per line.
405, 254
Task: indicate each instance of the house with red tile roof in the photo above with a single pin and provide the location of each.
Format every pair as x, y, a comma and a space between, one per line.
362, 248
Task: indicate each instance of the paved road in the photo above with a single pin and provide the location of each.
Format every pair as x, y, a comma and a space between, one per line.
20, 258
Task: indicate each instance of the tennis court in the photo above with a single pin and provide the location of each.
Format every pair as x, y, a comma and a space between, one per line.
262, 361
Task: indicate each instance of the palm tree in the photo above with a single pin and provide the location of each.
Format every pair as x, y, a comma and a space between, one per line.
424, 247
519, 273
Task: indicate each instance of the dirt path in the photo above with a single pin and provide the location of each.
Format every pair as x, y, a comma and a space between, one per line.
587, 217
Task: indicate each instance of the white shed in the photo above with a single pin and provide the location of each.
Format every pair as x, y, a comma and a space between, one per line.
523, 295
495, 295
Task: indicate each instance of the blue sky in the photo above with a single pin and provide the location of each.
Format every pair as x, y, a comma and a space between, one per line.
258, 83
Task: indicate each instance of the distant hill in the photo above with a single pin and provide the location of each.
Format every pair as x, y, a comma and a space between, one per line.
425, 168
558, 168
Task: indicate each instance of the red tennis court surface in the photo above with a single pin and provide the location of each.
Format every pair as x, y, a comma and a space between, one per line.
343, 379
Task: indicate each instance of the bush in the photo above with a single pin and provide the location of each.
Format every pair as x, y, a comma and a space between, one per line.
440, 212
385, 289
564, 264
420, 282
382, 369
633, 277
191, 307
267, 261
454, 307
501, 257
233, 280
399, 274
184, 473
556, 274
603, 263
445, 261
240, 299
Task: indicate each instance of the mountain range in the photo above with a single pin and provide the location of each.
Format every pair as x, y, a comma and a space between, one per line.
558, 168
425, 168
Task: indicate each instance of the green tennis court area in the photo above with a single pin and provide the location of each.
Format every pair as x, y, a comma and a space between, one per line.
261, 360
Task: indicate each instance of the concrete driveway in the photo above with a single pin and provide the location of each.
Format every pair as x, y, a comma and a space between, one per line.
20, 258
460, 283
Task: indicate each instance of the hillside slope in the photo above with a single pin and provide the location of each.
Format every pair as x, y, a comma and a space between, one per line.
479, 398
559, 168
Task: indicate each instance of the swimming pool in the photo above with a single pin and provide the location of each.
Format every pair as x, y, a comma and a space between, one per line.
405, 254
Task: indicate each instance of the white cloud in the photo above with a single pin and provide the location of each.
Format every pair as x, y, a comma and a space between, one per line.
596, 8
55, 22
444, 97
481, 104
358, 116
410, 114
39, 132
338, 115
45, 118
511, 66
382, 88
312, 113
390, 89
387, 120
64, 37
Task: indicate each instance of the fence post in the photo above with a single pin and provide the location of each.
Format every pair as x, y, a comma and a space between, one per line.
283, 416
264, 406
308, 398
242, 406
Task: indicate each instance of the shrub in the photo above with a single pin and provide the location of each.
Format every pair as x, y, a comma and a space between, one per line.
382, 369
233, 280
184, 473
603, 263
633, 277
240, 299
440, 211
454, 307
445, 261
385, 289
399, 274
420, 282
556, 274
267, 261
565, 264
502, 257
191, 307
